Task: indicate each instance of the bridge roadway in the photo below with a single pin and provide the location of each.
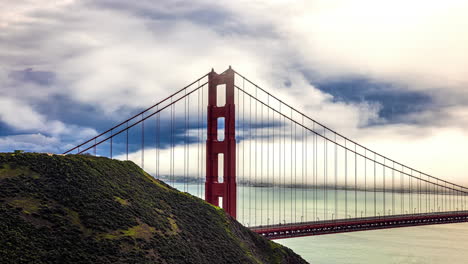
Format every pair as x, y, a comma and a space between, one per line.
358, 224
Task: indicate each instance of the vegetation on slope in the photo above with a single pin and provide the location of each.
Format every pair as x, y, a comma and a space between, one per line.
84, 209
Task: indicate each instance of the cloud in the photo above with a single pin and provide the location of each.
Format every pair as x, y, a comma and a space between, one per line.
22, 117
119, 57
386, 40
96, 52
30, 142
438, 152
19, 11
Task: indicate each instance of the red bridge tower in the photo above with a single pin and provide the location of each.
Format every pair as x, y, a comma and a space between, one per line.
214, 188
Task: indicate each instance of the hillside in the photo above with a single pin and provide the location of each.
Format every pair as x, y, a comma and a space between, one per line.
84, 209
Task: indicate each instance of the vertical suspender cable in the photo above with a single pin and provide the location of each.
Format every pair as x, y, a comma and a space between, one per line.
187, 130
203, 138
284, 172
451, 198
295, 173
156, 137
455, 204
255, 152
346, 179
268, 152
454, 192
170, 142
365, 182
445, 198
375, 186
262, 156
126, 131
261, 125
438, 195
314, 164
250, 160
427, 195
412, 206
199, 184
410, 202
200, 135
355, 181
306, 173
273, 168
142, 142
419, 193
393, 188
243, 153
303, 184
434, 197
316, 174
336, 179
111, 140
238, 142
185, 142
325, 176
280, 163
402, 190
173, 143
256, 162
291, 164
384, 188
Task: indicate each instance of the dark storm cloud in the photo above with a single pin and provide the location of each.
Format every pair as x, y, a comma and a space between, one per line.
395, 102
66, 109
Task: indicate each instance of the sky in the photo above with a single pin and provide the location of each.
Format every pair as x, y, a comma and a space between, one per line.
392, 75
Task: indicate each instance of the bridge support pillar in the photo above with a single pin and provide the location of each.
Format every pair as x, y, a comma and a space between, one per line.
225, 188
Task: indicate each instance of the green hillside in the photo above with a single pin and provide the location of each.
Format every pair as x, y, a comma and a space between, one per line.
84, 209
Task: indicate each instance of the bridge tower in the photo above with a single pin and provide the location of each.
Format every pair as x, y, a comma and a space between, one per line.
225, 188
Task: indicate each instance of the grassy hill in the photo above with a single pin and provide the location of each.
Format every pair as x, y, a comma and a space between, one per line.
84, 209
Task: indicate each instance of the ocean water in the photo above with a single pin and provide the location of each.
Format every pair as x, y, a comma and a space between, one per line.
426, 244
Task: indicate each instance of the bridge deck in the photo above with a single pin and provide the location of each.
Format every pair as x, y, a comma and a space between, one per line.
358, 224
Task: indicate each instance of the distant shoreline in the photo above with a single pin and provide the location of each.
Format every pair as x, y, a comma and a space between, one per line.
191, 180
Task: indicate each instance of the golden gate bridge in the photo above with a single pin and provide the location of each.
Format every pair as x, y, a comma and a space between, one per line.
276, 170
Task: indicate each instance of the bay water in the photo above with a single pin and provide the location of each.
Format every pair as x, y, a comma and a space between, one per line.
446, 243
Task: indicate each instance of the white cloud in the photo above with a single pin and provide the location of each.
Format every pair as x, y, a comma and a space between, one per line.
29, 142
12, 12
420, 43
112, 58
438, 152
22, 117
127, 60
